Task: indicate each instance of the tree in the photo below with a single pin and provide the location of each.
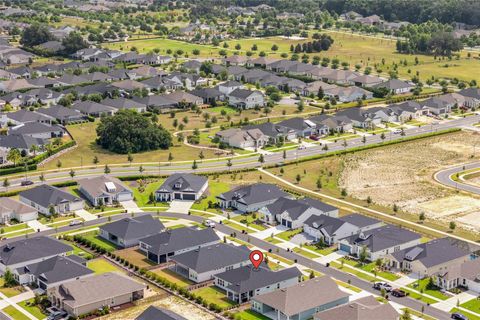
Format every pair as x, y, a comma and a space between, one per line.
298, 178
73, 42
201, 155
274, 47
363, 255
344, 192
95, 160
452, 225
421, 217
319, 183
141, 169
128, 131
59, 164
170, 157
6, 183
382, 136
42, 177
284, 155
106, 170
194, 165
36, 34
14, 156
130, 158
312, 275
72, 173
261, 159
229, 163
364, 139
9, 279
406, 315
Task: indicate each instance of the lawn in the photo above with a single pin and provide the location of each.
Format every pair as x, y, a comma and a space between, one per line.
273, 240
250, 315
143, 198
370, 267
173, 277
324, 251
15, 227
34, 310
277, 257
469, 315
136, 257
78, 251
93, 237
472, 305
348, 286
15, 314
357, 273
422, 285
214, 295
419, 296
305, 253
101, 265
287, 235
214, 189
237, 226
249, 220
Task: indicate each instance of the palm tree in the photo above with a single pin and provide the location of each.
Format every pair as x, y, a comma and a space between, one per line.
34, 149
14, 156
6, 183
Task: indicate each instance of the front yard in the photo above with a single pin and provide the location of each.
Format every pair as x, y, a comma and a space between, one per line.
432, 290
371, 267
94, 238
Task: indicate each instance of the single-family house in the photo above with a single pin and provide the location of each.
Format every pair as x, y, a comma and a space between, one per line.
13, 209
22, 143
163, 246
300, 301
127, 232
47, 199
251, 197
395, 86
243, 138
182, 186
437, 106
367, 81
37, 130
62, 114
209, 95
361, 118
124, 103
246, 99
229, 86
408, 110
184, 99
474, 97
241, 284
348, 94
334, 123
104, 190
94, 109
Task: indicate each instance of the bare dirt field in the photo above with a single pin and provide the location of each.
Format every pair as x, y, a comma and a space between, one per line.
171, 303
402, 174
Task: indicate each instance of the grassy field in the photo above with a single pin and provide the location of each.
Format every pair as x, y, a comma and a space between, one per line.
101, 265
173, 277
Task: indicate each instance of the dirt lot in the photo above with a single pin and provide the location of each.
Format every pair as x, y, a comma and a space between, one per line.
172, 303
402, 174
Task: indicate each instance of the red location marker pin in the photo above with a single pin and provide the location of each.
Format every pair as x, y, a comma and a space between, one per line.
256, 257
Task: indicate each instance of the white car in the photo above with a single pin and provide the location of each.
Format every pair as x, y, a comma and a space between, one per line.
397, 131
75, 223
301, 147
209, 223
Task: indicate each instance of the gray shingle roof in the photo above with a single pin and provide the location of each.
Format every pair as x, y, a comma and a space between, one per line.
322, 206
20, 142
60, 112
323, 222
134, 228
359, 220
185, 182
96, 186
254, 193
177, 239
31, 249
27, 116
213, 257
35, 128
292, 207
156, 313
122, 103
46, 195
247, 278
91, 107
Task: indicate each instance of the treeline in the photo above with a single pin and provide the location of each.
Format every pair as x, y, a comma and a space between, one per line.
323, 43
439, 44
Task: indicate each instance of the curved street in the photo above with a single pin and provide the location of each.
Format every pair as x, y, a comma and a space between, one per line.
445, 177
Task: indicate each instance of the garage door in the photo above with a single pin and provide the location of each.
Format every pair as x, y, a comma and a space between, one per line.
153, 257
344, 247
178, 196
188, 197
124, 197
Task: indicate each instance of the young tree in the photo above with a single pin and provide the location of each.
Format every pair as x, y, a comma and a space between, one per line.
261, 159
421, 217
95, 160
363, 255
72, 173
452, 225
201, 155
229, 164
106, 170
298, 178
14, 156
319, 183
194, 165
284, 156
130, 158
6, 183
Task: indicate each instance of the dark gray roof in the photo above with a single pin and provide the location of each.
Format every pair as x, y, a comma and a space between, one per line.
91, 107
60, 112
471, 92
56, 269
99, 88
34, 128
213, 257
292, 207
46, 195
21, 142
359, 220
122, 103
325, 223
231, 83
31, 249
434, 252
409, 106
185, 182
156, 313
156, 101
296, 123
27, 116
254, 193
207, 93
317, 204
434, 102
269, 129
178, 239
383, 237
134, 228
393, 84
247, 278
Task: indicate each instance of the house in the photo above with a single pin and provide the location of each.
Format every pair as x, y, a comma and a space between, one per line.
292, 213
348, 94
243, 138
408, 110
165, 245
152, 59
71, 80
361, 118
192, 65
24, 252
105, 190
51, 47
246, 99
301, 301
209, 95
395, 86
95, 292
153, 312
367, 81
46, 199
97, 77
15, 85
274, 132
24, 144
379, 242
330, 229
334, 123
184, 99
62, 114
313, 88
242, 284
127, 232
157, 102
473, 94
13, 209
52, 271
93, 109
339, 76
124, 103
303, 128
182, 186
128, 85
37, 130
431, 258
204, 263
229, 86
235, 60
251, 197
366, 308
437, 106
465, 275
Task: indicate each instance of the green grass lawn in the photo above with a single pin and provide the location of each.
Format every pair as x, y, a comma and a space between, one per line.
279, 258
15, 227
324, 251
422, 285
305, 253
287, 235
470, 316
214, 295
370, 267
9, 292
250, 315
142, 198
273, 240
357, 273
419, 296
473, 305
93, 236
15, 314
34, 310
214, 189
173, 277
78, 251
248, 218
237, 226
101, 265
348, 286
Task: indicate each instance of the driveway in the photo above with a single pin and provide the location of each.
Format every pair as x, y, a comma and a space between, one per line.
268, 232
36, 225
130, 206
302, 238
85, 215
180, 206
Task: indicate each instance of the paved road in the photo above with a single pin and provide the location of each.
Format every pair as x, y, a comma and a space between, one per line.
237, 162
445, 177
364, 285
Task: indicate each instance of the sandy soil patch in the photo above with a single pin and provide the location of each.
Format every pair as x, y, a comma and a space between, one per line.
471, 220
403, 174
172, 303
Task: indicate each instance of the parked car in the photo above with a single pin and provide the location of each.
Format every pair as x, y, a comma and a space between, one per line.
26, 183
57, 315
399, 293
459, 316
314, 137
75, 223
209, 223
397, 131
301, 147
382, 285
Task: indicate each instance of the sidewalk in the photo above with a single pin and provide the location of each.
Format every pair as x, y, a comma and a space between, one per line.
452, 302
37, 226
85, 215
9, 302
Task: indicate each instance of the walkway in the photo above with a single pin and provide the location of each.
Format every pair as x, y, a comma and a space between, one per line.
130, 206
180, 206
268, 232
9, 302
452, 302
37, 226
85, 215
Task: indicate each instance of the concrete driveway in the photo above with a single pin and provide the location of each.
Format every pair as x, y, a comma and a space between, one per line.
36, 225
180, 206
85, 215
130, 206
